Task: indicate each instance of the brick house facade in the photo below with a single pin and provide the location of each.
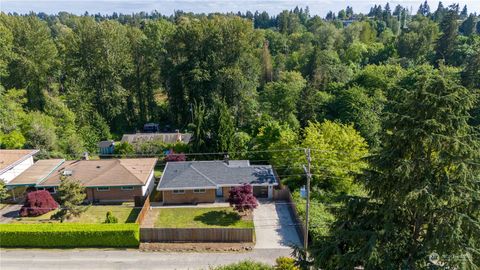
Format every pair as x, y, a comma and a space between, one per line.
192, 182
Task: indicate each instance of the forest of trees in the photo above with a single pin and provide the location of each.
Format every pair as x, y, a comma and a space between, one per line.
387, 101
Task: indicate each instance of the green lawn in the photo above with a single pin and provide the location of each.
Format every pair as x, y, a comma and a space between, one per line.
94, 214
97, 213
220, 217
45, 218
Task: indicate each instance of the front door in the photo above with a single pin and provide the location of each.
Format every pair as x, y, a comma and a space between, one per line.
219, 192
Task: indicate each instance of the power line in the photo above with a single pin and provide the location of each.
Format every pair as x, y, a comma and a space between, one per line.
206, 153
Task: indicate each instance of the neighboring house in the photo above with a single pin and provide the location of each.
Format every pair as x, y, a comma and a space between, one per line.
14, 162
169, 138
204, 181
106, 147
104, 180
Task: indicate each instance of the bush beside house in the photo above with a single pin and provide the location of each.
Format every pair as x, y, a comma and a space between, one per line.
69, 235
242, 198
38, 203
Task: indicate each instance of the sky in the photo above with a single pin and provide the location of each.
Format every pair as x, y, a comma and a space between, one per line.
167, 7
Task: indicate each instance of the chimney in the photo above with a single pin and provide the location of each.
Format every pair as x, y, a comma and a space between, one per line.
85, 156
226, 159
179, 135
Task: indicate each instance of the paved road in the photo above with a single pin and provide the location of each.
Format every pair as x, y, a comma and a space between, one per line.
274, 227
26, 259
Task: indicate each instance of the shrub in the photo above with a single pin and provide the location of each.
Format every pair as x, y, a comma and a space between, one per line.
110, 218
242, 199
38, 203
3, 190
245, 265
285, 263
69, 235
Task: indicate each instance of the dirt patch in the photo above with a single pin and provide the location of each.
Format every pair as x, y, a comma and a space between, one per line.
197, 247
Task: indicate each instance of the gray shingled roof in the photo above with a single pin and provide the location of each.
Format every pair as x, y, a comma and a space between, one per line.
212, 174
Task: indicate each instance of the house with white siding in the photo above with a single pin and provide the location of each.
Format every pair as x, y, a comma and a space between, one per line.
14, 162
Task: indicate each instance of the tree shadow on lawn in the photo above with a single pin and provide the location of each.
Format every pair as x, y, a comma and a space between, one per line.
218, 218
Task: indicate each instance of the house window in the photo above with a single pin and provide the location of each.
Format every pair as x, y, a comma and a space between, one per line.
178, 191
127, 188
201, 190
103, 188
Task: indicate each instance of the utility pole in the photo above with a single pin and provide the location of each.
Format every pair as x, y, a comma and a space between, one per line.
307, 210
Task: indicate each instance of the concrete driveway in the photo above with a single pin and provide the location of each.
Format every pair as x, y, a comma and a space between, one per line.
9, 212
274, 227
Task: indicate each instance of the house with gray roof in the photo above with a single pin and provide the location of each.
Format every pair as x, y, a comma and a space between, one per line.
206, 181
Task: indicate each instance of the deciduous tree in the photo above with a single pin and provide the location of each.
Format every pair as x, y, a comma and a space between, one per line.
38, 203
242, 198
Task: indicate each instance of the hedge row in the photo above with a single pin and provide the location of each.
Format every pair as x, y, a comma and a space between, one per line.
69, 235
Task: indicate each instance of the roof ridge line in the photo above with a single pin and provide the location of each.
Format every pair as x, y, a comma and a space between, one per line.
136, 177
206, 177
108, 170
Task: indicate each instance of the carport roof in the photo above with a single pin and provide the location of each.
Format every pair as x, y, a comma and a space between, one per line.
37, 172
213, 174
10, 158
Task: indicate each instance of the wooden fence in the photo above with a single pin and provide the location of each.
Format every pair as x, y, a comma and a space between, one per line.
196, 234
143, 213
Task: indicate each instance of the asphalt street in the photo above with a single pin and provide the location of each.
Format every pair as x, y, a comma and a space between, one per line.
126, 259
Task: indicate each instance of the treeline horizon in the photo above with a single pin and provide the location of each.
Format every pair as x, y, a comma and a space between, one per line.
343, 14
388, 102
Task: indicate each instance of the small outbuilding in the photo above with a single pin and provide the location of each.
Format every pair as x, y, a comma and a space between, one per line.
106, 147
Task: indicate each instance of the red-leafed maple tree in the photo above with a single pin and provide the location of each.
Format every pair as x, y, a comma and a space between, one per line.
242, 198
38, 203
172, 157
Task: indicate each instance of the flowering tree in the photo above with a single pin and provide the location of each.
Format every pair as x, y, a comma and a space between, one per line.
38, 203
242, 199
172, 157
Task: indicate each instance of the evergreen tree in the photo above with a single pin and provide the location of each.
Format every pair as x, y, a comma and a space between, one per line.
467, 28
471, 71
225, 128
424, 9
464, 13
439, 13
447, 42
71, 194
423, 184
330, 16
